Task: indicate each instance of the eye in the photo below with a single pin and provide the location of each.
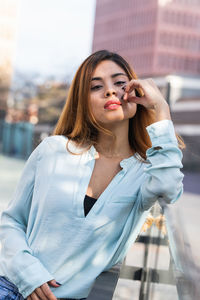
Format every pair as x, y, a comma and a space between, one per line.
96, 87
120, 82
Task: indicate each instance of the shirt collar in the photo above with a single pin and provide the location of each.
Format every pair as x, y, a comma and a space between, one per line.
124, 164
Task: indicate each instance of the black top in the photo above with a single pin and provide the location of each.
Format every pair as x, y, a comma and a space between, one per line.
88, 203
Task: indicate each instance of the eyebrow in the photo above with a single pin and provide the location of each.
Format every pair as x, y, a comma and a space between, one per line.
113, 76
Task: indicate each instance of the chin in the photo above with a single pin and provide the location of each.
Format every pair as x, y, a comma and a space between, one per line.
115, 116
112, 121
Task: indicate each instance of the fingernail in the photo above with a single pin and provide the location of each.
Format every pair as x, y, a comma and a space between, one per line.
125, 96
58, 283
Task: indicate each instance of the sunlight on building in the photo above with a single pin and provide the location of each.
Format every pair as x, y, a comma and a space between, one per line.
164, 2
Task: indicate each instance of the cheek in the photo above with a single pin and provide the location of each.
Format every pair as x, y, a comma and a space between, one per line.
92, 103
135, 109
94, 106
131, 111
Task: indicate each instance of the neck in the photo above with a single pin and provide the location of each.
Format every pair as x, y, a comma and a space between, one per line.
118, 147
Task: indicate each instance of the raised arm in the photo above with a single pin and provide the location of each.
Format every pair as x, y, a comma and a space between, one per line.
163, 178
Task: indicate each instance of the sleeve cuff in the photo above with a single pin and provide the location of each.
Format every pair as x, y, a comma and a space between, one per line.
36, 274
161, 132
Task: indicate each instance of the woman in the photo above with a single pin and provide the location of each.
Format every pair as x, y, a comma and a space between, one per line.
85, 191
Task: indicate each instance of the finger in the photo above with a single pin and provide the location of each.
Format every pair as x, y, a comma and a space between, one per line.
134, 83
137, 100
145, 86
129, 94
40, 294
34, 296
54, 283
125, 96
48, 293
132, 87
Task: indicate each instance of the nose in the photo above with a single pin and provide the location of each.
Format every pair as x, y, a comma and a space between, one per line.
109, 92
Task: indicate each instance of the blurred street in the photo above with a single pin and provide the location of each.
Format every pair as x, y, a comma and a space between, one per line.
189, 207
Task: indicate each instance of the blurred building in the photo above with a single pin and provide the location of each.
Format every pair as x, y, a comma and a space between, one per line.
157, 37
8, 25
161, 39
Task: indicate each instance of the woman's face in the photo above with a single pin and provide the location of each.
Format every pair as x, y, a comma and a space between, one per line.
106, 94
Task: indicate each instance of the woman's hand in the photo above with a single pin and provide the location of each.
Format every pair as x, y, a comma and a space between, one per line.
43, 292
152, 98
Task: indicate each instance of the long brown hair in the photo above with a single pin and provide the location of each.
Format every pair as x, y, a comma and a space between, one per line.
77, 121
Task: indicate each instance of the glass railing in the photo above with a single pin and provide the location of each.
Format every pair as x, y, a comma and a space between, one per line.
161, 261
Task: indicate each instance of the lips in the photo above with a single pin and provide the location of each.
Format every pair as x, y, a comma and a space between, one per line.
112, 104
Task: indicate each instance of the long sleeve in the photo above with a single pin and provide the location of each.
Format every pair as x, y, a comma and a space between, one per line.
17, 260
163, 178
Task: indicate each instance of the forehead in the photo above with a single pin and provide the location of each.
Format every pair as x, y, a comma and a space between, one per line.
107, 68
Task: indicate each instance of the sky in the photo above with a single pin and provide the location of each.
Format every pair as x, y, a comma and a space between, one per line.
54, 36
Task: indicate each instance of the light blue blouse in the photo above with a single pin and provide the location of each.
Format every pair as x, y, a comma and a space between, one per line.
44, 232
